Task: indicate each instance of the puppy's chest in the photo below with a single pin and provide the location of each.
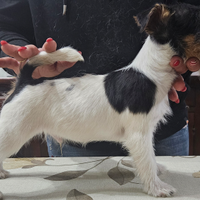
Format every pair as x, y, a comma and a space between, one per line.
160, 111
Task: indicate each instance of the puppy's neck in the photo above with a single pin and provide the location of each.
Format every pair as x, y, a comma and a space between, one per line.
153, 60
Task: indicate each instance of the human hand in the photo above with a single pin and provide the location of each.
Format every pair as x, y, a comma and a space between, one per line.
19, 55
177, 63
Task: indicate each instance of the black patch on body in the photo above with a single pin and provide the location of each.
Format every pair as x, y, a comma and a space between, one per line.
130, 89
25, 78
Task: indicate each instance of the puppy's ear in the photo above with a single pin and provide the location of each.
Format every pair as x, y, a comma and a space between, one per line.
142, 19
155, 20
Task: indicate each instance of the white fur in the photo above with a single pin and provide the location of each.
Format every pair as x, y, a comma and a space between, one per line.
84, 114
64, 54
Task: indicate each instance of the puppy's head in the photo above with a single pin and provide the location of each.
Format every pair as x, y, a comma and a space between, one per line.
177, 24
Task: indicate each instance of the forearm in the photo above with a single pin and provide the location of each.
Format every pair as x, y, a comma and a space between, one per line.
15, 24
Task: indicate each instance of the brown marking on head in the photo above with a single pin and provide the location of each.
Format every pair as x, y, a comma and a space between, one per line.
160, 14
165, 13
136, 20
162, 11
192, 47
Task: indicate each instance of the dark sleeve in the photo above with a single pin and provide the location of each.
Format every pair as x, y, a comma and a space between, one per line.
193, 2
15, 24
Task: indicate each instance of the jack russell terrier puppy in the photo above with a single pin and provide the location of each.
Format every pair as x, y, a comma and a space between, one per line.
123, 106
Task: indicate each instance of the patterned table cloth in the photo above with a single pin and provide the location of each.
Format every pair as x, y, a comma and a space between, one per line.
94, 178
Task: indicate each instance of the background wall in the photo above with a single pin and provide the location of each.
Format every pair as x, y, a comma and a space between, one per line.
3, 73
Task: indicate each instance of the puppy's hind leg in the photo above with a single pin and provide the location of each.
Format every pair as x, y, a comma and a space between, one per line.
140, 147
13, 132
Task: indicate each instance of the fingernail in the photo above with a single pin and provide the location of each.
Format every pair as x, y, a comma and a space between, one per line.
193, 62
49, 40
184, 89
3, 42
176, 63
21, 48
177, 101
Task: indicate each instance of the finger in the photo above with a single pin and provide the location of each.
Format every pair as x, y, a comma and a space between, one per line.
51, 70
49, 46
193, 64
63, 65
11, 50
28, 51
45, 71
179, 84
9, 63
178, 64
173, 96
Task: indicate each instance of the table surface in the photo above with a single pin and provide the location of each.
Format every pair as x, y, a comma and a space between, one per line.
94, 178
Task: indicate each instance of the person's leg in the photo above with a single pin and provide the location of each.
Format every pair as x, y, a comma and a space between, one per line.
175, 145
93, 149
70, 149
54, 148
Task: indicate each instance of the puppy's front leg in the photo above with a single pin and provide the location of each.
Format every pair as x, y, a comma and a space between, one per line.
141, 149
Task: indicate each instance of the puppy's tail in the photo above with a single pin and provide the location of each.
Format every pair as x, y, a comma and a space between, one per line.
43, 58
65, 54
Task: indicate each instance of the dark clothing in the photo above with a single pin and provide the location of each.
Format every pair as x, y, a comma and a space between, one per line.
104, 30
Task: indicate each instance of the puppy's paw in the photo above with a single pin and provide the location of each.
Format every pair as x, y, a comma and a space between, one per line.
3, 174
161, 169
160, 189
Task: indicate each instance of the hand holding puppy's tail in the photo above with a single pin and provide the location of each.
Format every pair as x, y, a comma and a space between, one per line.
65, 54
